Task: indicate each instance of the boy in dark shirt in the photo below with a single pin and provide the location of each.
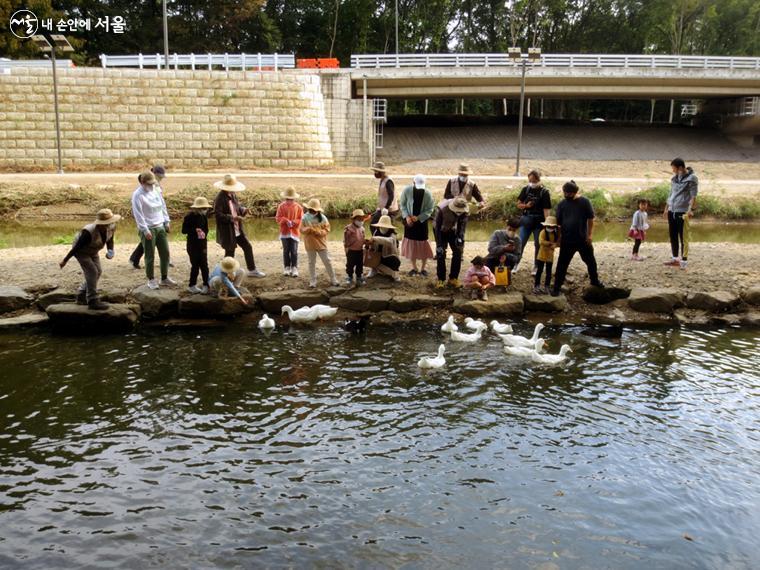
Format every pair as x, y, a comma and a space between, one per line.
195, 226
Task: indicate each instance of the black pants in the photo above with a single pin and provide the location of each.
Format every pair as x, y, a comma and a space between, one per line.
354, 263
444, 240
289, 252
137, 254
636, 246
198, 263
566, 253
539, 268
493, 262
245, 245
676, 224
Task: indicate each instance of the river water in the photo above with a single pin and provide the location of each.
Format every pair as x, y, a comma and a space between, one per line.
316, 448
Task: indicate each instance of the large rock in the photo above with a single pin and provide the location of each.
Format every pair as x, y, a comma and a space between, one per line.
510, 305
26, 320
13, 298
690, 317
208, 306
405, 303
273, 301
604, 295
713, 301
56, 296
157, 303
752, 296
363, 301
69, 317
751, 319
655, 300
545, 303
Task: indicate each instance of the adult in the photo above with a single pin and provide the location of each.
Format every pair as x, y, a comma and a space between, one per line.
91, 239
386, 194
679, 210
462, 185
134, 259
535, 202
575, 216
505, 247
385, 242
229, 222
416, 206
449, 229
153, 225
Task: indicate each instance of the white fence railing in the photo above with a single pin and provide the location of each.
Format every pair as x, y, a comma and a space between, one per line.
226, 61
59, 63
554, 60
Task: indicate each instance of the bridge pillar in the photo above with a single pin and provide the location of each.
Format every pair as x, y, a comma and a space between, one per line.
349, 120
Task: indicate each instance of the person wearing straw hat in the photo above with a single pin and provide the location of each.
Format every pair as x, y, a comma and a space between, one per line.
289, 215
195, 227
160, 173
153, 224
386, 193
417, 206
90, 240
353, 243
315, 228
449, 229
229, 222
548, 242
384, 240
226, 279
462, 185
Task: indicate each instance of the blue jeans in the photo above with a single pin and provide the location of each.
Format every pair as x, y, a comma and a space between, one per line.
530, 224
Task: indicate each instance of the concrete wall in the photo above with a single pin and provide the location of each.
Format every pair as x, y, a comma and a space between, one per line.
345, 116
185, 119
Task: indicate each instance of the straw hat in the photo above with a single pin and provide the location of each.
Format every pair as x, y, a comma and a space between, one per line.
459, 206
384, 222
419, 181
289, 194
314, 204
105, 217
359, 213
550, 221
147, 177
230, 265
200, 202
465, 169
379, 167
229, 184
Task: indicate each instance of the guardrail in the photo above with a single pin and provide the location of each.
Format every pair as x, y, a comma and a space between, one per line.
59, 63
554, 60
226, 61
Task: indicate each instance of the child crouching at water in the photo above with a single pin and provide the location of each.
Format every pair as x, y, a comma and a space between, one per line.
548, 242
226, 278
479, 278
289, 215
315, 229
639, 227
195, 227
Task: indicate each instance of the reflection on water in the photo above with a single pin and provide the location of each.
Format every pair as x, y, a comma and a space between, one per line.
221, 449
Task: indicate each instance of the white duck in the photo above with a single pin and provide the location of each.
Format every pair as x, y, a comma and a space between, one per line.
266, 323
474, 325
517, 340
449, 325
302, 315
552, 359
464, 337
437, 362
324, 311
499, 328
524, 351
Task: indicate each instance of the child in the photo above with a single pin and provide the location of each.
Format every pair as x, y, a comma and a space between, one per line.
226, 278
548, 241
479, 278
639, 227
195, 227
315, 229
289, 215
353, 242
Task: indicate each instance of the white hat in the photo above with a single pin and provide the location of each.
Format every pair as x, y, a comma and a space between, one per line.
419, 181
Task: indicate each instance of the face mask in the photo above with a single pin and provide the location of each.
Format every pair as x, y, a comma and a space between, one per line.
358, 223
385, 231
532, 185
463, 179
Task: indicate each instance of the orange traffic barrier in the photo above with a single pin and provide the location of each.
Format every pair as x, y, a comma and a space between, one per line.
318, 63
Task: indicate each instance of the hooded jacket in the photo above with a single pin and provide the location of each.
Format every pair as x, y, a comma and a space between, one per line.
683, 189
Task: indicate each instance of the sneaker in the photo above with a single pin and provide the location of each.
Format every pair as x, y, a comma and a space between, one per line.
313, 285
294, 271
533, 271
287, 271
256, 273
335, 283
193, 289
97, 305
475, 294
413, 272
424, 273
348, 282
204, 290
555, 293
397, 279
82, 298
361, 281
537, 290
674, 262
372, 273
454, 283
683, 265
152, 284
546, 290
168, 282
484, 295
440, 285
134, 264
515, 269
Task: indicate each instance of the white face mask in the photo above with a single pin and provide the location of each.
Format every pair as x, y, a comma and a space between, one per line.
463, 179
358, 223
533, 184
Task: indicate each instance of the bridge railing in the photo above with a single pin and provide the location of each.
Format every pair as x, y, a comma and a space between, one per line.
554, 60
226, 61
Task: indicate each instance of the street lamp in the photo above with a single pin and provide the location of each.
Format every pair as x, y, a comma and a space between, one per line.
61, 43
533, 55
166, 38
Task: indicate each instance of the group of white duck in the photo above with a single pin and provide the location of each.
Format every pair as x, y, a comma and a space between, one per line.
302, 315
514, 344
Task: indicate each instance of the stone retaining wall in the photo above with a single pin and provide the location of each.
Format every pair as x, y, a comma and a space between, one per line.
183, 118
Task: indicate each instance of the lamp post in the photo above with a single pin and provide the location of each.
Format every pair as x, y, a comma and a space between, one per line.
533, 55
59, 42
166, 38
396, 27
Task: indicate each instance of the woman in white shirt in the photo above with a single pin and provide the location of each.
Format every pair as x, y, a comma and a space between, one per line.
152, 218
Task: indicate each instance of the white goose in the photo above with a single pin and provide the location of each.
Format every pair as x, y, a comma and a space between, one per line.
324, 311
474, 325
524, 351
266, 323
552, 359
437, 362
449, 325
464, 337
517, 340
302, 315
499, 328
